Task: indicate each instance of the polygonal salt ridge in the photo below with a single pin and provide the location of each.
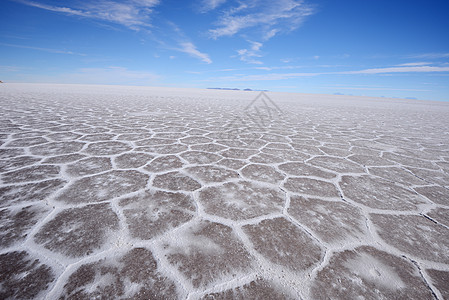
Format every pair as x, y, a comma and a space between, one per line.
56, 148
307, 149
241, 200
212, 174
258, 288
439, 279
26, 142
32, 173
439, 215
303, 169
164, 163
17, 163
23, 276
102, 187
175, 181
24, 135
367, 272
88, 166
436, 194
396, 174
205, 253
336, 164
335, 151
415, 235
333, 222
18, 222
79, 231
283, 243
63, 136
378, 193
262, 173
130, 274
152, 213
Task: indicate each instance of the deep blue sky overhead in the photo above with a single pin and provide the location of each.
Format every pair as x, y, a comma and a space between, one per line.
392, 48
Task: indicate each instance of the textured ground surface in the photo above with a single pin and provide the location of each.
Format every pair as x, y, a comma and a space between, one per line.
143, 193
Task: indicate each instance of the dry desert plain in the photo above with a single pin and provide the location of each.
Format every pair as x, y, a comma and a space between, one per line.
112, 192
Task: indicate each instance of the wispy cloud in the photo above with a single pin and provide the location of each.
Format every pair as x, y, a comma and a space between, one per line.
58, 51
267, 16
429, 56
190, 49
134, 14
414, 64
208, 5
249, 55
415, 69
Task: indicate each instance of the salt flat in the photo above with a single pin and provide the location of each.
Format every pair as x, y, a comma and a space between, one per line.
158, 193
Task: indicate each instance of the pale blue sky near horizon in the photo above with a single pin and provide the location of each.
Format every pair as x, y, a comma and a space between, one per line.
391, 48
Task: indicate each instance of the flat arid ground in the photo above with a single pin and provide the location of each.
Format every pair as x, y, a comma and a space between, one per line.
151, 193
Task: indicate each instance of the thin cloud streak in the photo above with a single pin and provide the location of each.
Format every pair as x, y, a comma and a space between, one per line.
134, 14
43, 49
190, 49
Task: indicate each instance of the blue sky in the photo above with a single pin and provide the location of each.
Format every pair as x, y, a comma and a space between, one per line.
391, 48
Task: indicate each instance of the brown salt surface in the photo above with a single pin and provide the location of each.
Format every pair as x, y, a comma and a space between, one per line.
283, 243
11, 153
80, 231
254, 290
62, 159
163, 149
103, 187
370, 160
333, 222
262, 173
436, 194
212, 173
15, 194
368, 273
432, 176
264, 158
98, 137
241, 200
132, 160
176, 181
238, 153
17, 163
23, 277
200, 157
88, 166
234, 164
440, 214
409, 161
56, 148
301, 169
205, 252
311, 187
415, 235
152, 213
33, 173
440, 279
208, 147
16, 223
27, 142
164, 163
396, 174
63, 136
107, 148
379, 193
133, 275
336, 164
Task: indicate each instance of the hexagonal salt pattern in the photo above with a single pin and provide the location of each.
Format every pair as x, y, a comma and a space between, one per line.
142, 193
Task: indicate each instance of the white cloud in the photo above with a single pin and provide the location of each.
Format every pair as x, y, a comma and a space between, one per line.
134, 14
430, 55
190, 49
268, 16
249, 55
58, 51
415, 69
208, 5
413, 64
